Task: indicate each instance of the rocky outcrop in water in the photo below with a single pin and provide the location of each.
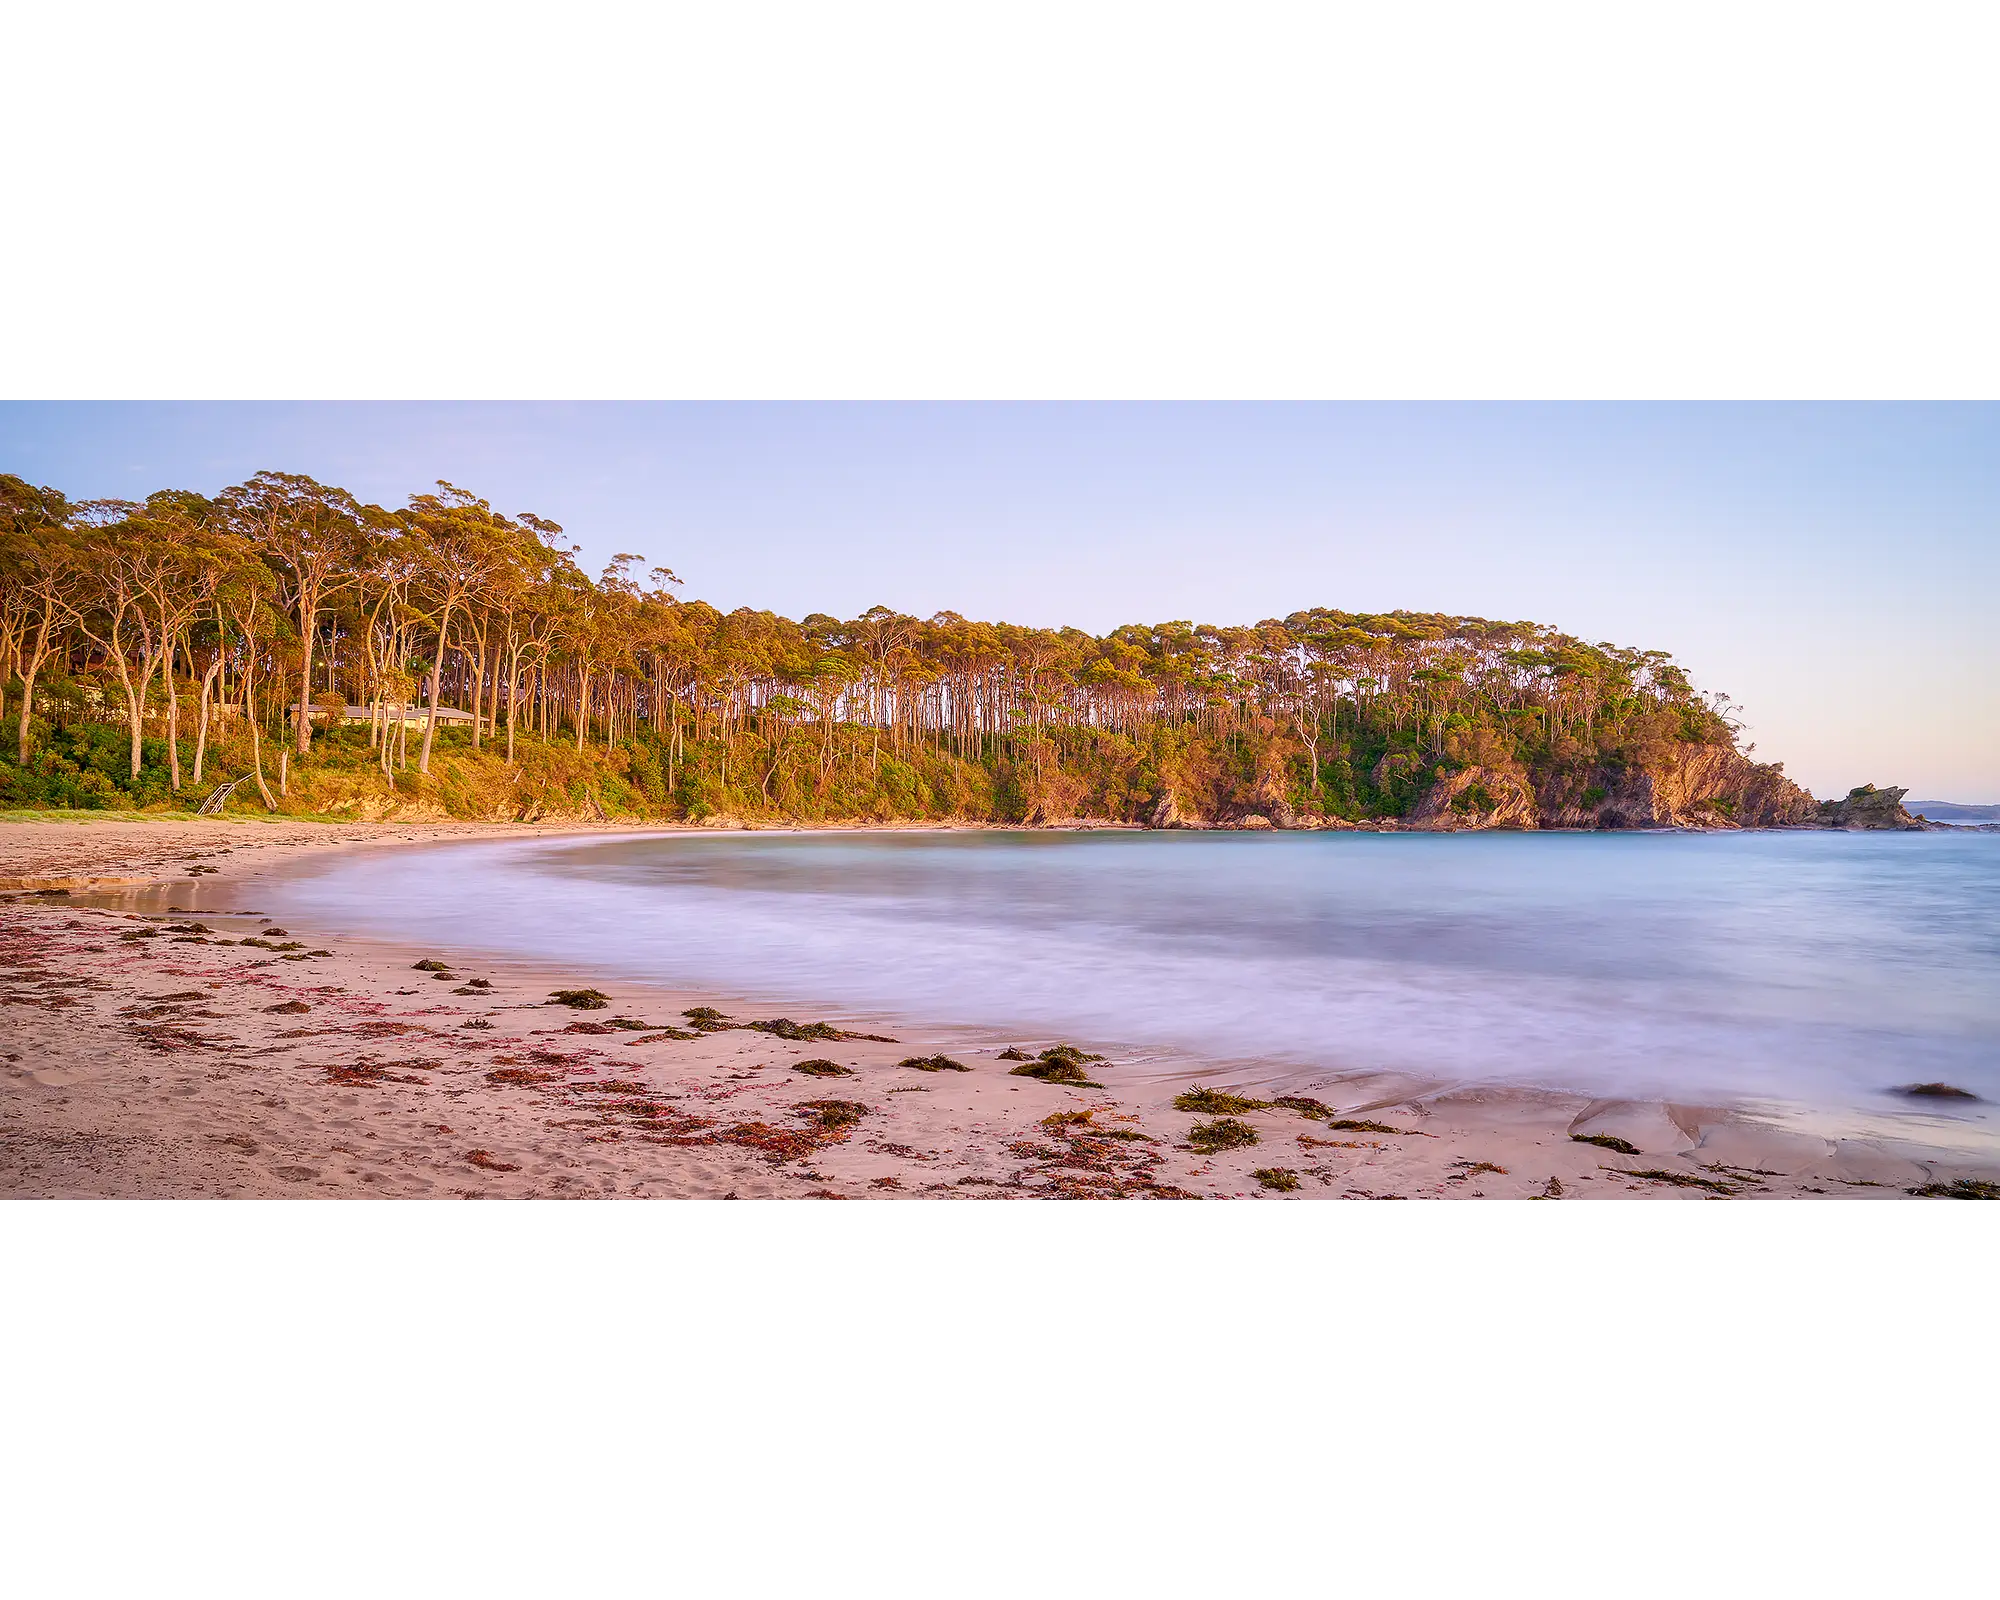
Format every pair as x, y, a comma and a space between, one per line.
1869, 807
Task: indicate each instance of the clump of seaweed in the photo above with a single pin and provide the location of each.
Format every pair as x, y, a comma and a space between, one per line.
361, 1074
1959, 1189
933, 1064
1472, 1169
1060, 1063
831, 1115
1679, 1180
785, 1028
521, 1077
707, 1019
778, 1145
1360, 1125
1936, 1091
1283, 1179
486, 1159
1060, 1121
1304, 1105
1216, 1102
289, 1008
416, 966
580, 999
1014, 1052
1607, 1141
822, 1069
1224, 1133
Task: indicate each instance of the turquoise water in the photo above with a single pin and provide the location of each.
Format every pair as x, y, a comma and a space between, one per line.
1820, 969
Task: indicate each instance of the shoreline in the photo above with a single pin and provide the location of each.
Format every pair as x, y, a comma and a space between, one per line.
140, 1060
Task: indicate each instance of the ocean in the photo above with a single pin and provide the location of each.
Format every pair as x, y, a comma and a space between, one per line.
1805, 971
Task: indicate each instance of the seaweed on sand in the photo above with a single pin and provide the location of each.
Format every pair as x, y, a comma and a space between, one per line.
707, 1019
415, 966
1060, 1063
359, 1074
1224, 1133
779, 1145
1959, 1189
1607, 1141
1304, 1105
831, 1115
1360, 1125
822, 1069
521, 1077
1283, 1179
933, 1064
785, 1028
1216, 1102
486, 1160
1679, 1180
580, 999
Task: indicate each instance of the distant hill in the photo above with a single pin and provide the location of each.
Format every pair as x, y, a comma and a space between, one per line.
1951, 811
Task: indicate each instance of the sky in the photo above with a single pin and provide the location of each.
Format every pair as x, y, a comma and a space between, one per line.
1835, 568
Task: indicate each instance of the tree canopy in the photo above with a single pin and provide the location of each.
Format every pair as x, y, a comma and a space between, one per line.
261, 609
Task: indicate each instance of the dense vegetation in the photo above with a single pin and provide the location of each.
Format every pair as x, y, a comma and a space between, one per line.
149, 649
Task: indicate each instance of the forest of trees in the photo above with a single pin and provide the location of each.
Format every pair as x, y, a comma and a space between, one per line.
285, 633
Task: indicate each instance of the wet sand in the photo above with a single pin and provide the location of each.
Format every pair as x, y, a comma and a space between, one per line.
150, 1052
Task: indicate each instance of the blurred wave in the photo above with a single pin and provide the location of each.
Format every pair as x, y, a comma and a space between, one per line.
1814, 968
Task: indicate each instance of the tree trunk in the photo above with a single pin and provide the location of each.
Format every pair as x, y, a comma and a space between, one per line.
256, 742
308, 621
201, 732
437, 673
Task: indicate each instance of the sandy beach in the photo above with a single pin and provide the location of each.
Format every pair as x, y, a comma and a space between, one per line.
152, 1051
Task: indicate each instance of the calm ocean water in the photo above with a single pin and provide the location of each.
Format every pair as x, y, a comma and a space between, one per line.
1814, 969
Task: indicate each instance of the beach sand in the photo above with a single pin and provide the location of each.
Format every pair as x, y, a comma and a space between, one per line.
146, 1052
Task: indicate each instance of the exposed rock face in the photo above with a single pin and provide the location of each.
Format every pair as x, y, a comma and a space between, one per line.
1709, 785
1692, 786
1478, 797
1703, 786
1869, 807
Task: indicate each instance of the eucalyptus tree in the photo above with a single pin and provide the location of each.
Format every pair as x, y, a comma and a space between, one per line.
179, 553
458, 542
314, 537
42, 573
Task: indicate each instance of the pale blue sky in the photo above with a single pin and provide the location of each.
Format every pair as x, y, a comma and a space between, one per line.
1834, 567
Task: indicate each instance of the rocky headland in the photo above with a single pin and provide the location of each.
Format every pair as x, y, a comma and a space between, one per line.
1696, 785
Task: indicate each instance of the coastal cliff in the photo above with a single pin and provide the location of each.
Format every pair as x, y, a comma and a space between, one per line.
1687, 785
